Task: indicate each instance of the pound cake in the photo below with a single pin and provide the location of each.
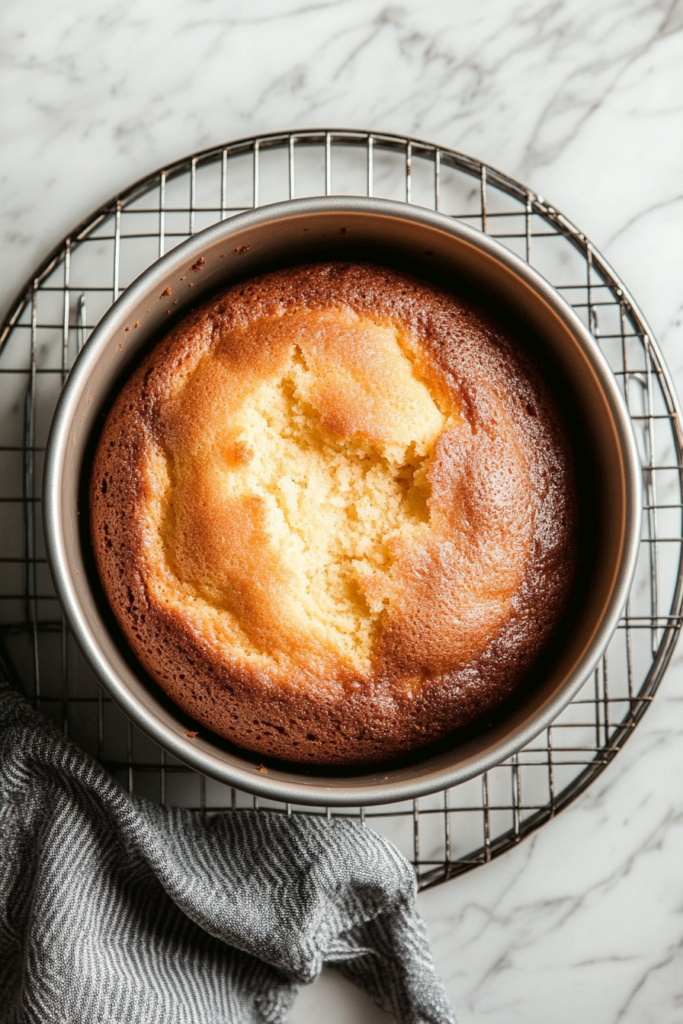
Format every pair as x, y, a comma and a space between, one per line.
333, 512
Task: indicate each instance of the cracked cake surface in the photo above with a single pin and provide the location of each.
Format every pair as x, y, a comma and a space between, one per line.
334, 515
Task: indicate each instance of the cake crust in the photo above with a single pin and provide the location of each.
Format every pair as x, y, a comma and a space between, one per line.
333, 512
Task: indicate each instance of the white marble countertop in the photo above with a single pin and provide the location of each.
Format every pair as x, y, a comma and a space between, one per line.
584, 102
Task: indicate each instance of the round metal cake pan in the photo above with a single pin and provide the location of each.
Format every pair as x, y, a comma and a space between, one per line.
433, 247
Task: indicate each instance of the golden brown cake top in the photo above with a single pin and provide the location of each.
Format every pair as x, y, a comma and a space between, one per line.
341, 483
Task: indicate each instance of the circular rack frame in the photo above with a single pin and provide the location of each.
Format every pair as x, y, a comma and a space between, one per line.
450, 832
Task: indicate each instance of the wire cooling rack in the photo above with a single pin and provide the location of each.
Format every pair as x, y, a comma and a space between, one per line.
449, 832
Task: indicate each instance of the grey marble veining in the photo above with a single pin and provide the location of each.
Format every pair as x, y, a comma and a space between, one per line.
584, 102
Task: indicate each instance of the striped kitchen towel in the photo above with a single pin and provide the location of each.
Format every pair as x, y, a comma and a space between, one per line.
114, 910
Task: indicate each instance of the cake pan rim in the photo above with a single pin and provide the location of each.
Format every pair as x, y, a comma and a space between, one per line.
377, 785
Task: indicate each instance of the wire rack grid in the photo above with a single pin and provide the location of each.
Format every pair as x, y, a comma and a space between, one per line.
452, 831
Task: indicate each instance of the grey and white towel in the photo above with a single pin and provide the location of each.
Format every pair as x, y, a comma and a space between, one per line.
116, 911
